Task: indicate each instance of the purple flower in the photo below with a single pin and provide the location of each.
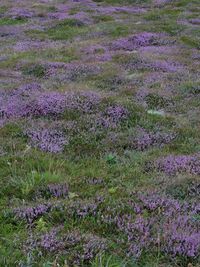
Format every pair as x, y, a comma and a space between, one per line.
136, 41
29, 100
32, 213
145, 140
112, 116
58, 190
49, 140
176, 164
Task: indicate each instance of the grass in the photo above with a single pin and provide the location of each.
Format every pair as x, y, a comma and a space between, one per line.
10, 21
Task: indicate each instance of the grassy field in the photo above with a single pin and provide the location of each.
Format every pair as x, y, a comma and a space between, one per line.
100, 133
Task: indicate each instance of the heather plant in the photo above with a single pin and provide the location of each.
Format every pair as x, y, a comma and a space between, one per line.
174, 164
29, 214
49, 140
136, 41
81, 248
55, 190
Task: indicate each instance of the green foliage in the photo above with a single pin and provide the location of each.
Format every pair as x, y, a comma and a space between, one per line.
9, 21
193, 42
36, 70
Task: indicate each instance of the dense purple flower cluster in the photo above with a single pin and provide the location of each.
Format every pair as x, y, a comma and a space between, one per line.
195, 21
80, 248
49, 140
50, 241
90, 7
169, 226
27, 45
176, 164
92, 247
162, 49
140, 140
81, 209
181, 236
29, 100
71, 71
58, 190
166, 66
20, 13
145, 140
112, 116
32, 213
136, 41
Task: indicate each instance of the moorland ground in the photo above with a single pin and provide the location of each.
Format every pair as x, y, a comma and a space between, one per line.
99, 133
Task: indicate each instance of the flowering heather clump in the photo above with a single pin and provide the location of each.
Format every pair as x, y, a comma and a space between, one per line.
145, 140
20, 13
28, 100
93, 246
195, 21
136, 41
169, 226
49, 140
58, 190
80, 248
166, 66
19, 102
176, 164
28, 89
23, 46
116, 113
32, 213
119, 9
159, 50
82, 209
181, 236
112, 116
72, 71
50, 241
137, 232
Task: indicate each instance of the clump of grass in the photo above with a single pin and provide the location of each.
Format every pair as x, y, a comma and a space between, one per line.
10, 21
36, 70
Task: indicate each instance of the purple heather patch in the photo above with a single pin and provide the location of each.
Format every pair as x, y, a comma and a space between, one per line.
47, 139
30, 101
169, 226
83, 247
182, 163
166, 66
20, 13
136, 41
72, 71
112, 116
58, 190
30, 214
145, 140
195, 21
